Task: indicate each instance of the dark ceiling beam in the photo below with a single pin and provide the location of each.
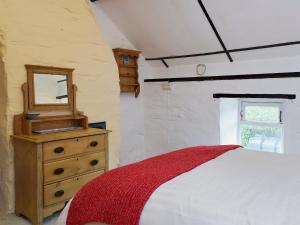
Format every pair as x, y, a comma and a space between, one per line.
230, 50
186, 56
271, 96
265, 46
215, 30
228, 77
165, 63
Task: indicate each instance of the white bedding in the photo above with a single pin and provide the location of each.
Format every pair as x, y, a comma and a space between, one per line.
238, 188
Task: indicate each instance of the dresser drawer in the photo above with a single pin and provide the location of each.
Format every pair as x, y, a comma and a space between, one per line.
64, 190
69, 147
58, 170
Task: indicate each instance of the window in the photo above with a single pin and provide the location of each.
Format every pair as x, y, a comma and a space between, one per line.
260, 126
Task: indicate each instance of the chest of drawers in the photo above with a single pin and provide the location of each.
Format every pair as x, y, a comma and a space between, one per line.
51, 168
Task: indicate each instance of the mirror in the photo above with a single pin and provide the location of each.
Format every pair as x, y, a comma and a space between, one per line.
50, 89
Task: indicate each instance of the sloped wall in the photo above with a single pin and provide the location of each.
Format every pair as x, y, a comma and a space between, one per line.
132, 109
168, 28
64, 34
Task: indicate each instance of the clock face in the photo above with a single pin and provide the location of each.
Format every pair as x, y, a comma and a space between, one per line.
200, 69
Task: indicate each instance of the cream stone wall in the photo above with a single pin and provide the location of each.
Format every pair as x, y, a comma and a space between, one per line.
3, 125
55, 33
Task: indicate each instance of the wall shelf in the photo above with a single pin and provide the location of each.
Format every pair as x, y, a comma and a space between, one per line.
127, 61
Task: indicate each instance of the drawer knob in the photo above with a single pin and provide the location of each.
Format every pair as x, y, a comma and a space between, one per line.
59, 150
59, 171
94, 143
59, 193
94, 162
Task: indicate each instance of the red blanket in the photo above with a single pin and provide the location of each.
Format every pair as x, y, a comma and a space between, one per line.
119, 196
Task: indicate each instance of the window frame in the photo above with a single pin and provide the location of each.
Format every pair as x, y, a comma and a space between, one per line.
261, 102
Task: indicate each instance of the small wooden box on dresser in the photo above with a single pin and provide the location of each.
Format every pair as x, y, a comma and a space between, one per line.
50, 165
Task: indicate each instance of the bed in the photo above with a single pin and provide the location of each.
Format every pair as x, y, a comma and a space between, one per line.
240, 187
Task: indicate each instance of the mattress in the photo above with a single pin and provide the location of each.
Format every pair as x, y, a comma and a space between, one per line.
240, 187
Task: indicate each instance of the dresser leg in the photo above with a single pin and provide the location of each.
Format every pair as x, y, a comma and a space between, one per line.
18, 213
37, 220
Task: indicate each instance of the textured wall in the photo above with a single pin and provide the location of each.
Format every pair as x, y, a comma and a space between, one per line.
132, 109
188, 115
64, 34
3, 123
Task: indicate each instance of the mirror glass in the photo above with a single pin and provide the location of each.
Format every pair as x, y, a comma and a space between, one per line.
50, 89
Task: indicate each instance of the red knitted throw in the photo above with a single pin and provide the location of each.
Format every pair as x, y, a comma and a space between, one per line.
119, 196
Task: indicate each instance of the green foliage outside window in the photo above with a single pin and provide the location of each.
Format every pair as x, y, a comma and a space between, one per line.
249, 131
263, 114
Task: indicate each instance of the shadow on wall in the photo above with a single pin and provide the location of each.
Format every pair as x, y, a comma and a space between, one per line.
3, 130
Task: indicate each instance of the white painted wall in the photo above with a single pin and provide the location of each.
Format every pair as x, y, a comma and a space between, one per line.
229, 120
188, 115
161, 120
132, 109
273, 65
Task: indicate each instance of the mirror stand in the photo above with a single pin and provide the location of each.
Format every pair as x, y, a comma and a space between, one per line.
53, 117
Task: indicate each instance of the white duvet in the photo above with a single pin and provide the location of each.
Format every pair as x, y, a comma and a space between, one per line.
240, 187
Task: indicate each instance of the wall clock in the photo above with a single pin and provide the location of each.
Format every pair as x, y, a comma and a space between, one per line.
200, 69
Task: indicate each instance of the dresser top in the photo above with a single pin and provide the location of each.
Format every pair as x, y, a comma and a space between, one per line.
40, 138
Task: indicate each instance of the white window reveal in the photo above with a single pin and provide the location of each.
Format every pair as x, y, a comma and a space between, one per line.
261, 126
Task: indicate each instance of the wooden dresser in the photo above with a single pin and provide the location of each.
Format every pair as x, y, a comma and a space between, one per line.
50, 168
55, 151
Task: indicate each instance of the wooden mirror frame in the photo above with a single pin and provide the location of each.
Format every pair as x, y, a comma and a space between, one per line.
32, 106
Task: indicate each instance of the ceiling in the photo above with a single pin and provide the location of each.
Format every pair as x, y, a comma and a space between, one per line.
162, 28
